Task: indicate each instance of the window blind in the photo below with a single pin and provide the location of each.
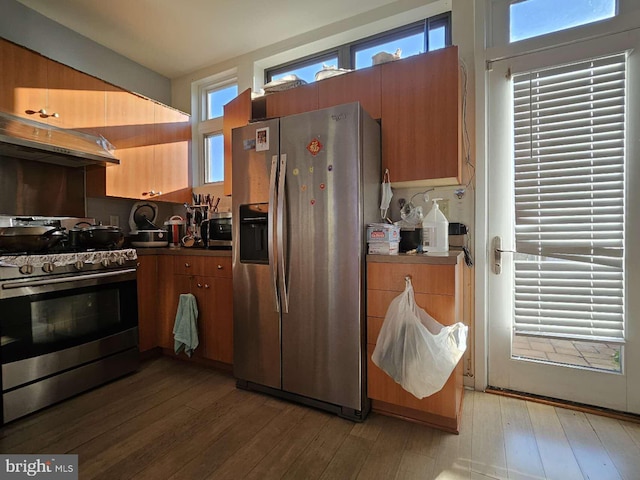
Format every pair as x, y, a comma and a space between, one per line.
569, 184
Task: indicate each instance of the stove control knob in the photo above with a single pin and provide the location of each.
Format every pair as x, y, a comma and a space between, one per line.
79, 265
26, 269
105, 262
48, 267
121, 261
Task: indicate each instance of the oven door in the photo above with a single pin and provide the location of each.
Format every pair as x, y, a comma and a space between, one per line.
64, 318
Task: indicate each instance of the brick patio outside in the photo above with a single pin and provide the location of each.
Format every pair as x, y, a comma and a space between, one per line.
601, 356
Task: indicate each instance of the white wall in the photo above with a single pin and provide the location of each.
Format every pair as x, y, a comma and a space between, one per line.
28, 28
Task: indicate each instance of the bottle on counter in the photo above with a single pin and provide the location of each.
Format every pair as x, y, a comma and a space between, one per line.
435, 230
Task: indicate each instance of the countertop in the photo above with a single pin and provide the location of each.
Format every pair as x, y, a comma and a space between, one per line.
200, 252
453, 257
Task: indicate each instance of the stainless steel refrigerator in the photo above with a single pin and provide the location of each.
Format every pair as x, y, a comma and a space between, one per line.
304, 189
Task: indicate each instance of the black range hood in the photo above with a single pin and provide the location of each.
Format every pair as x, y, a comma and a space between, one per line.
29, 140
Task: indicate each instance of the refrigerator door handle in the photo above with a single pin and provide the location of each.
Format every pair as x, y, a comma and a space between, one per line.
271, 216
281, 234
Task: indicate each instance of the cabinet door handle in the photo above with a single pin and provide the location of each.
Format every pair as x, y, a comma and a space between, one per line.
206, 285
220, 267
43, 113
199, 285
187, 265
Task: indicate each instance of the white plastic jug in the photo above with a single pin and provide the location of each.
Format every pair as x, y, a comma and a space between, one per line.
435, 230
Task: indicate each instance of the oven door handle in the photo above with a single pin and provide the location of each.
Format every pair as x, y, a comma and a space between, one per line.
75, 278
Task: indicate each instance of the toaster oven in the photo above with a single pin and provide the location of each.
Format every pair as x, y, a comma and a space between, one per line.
220, 225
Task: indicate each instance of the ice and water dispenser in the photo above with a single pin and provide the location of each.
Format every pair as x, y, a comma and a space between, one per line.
254, 233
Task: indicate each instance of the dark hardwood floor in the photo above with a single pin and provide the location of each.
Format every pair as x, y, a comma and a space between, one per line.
177, 420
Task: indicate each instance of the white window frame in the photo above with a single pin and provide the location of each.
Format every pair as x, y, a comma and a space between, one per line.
204, 126
497, 29
346, 53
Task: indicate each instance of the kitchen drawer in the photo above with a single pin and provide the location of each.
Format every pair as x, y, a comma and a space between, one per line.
188, 265
434, 279
218, 266
440, 307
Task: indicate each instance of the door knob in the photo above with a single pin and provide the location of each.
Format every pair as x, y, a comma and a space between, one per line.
497, 254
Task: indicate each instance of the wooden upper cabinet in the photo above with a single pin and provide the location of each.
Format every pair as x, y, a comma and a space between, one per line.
76, 98
31, 83
360, 86
152, 143
130, 128
237, 113
421, 119
297, 100
172, 144
23, 81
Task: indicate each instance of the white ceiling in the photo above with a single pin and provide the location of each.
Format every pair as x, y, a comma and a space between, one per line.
175, 37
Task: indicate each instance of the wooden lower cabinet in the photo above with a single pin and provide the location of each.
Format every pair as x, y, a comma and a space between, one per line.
218, 327
209, 279
167, 298
438, 290
147, 302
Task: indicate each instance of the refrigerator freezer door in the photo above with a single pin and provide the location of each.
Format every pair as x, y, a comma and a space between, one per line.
256, 319
322, 330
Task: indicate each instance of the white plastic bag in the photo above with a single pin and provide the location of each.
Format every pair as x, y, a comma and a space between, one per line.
414, 349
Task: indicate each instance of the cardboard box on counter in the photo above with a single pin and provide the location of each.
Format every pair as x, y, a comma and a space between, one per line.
384, 248
383, 232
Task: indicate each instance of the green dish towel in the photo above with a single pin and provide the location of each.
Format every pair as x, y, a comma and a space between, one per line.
185, 328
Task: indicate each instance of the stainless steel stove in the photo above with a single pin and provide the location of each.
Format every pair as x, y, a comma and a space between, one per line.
68, 323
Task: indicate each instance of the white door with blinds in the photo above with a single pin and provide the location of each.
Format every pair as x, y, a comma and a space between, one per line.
563, 169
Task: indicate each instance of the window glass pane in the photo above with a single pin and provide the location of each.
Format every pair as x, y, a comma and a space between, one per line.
214, 158
409, 45
308, 72
216, 99
437, 38
531, 18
